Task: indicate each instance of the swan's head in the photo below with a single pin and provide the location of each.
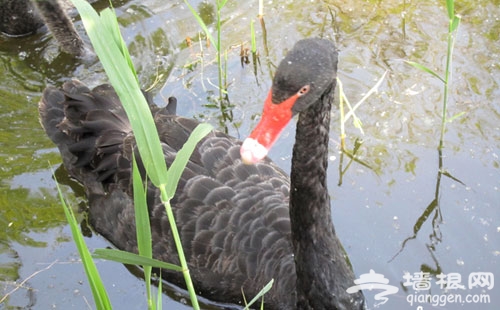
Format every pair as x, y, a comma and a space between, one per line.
303, 76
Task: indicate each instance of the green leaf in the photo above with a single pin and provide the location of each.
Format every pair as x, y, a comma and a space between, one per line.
252, 34
109, 46
451, 10
104, 34
109, 19
98, 290
455, 23
424, 68
142, 225
182, 157
202, 25
144, 240
159, 295
451, 119
263, 291
125, 257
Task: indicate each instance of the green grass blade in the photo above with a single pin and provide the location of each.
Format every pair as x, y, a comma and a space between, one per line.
109, 46
252, 34
263, 291
455, 23
141, 213
425, 69
175, 234
109, 19
110, 50
454, 117
133, 259
159, 294
180, 161
143, 227
202, 25
98, 291
450, 7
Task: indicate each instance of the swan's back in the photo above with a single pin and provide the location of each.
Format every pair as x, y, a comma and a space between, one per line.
233, 218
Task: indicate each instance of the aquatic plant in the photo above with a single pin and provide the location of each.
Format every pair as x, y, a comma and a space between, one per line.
453, 23
104, 33
216, 43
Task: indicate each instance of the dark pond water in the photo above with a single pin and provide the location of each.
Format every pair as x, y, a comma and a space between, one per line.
395, 215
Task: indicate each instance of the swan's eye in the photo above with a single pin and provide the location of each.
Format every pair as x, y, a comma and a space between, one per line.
303, 90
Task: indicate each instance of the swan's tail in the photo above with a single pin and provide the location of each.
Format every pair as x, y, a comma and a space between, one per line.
89, 127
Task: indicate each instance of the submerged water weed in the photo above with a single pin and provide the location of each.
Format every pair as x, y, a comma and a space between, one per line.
344, 117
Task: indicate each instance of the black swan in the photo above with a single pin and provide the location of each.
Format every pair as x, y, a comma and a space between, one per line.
241, 225
24, 17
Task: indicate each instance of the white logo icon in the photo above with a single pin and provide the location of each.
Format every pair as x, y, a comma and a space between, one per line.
374, 281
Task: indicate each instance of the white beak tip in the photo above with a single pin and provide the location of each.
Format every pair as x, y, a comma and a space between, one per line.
252, 151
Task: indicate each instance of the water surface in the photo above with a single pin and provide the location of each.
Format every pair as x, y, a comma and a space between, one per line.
393, 211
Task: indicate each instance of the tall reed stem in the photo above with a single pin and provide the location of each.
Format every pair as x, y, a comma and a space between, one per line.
219, 61
447, 79
453, 23
185, 269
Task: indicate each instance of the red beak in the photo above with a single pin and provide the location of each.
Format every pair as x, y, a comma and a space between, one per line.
273, 121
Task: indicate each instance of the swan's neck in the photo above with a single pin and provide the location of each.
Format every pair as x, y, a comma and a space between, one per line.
309, 199
322, 272
310, 203
62, 27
